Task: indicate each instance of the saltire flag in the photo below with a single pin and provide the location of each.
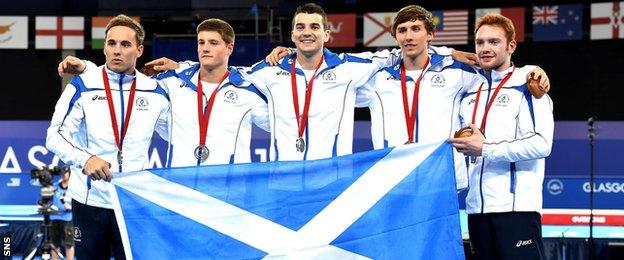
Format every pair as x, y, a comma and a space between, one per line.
558, 22
59, 32
396, 203
378, 29
515, 14
451, 27
98, 28
13, 32
342, 27
607, 21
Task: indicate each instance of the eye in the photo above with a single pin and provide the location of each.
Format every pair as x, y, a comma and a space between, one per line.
401, 30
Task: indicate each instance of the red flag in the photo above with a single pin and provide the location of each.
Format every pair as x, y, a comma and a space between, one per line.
342, 28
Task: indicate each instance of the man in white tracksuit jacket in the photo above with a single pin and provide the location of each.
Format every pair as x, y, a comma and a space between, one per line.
512, 134
104, 121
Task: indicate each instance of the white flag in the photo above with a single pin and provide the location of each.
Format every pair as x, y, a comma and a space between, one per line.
377, 28
607, 21
13, 32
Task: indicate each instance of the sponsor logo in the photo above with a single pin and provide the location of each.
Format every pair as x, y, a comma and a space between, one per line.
329, 76
230, 97
96, 97
141, 104
503, 100
471, 101
585, 219
554, 186
605, 187
282, 73
77, 234
438, 81
524, 242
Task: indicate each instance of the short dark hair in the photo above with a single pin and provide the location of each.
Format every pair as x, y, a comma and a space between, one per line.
413, 13
312, 8
123, 20
217, 25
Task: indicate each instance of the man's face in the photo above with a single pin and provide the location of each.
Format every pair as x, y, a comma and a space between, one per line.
492, 47
121, 49
412, 37
212, 51
308, 33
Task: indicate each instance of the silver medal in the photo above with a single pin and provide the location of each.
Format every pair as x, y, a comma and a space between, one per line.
300, 144
201, 152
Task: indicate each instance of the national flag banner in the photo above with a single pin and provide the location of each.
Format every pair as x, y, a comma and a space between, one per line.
378, 29
13, 32
607, 21
59, 32
98, 28
451, 27
396, 203
515, 14
342, 27
558, 22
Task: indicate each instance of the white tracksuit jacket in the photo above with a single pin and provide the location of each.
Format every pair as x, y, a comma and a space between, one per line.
81, 127
518, 136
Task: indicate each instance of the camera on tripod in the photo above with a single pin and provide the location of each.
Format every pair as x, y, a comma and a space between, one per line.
42, 244
44, 176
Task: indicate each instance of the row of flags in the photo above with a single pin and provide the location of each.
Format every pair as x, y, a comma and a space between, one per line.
550, 23
52, 32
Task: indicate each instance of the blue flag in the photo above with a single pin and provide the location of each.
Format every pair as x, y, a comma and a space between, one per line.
396, 203
558, 22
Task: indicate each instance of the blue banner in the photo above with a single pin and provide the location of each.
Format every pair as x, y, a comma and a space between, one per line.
396, 203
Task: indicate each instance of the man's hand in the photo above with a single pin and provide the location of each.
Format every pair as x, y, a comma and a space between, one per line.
276, 54
467, 58
159, 65
71, 66
470, 146
97, 168
543, 86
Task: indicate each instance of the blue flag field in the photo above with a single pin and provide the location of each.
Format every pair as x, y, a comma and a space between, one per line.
396, 203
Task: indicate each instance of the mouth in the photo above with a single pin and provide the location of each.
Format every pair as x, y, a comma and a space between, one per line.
486, 57
307, 40
115, 60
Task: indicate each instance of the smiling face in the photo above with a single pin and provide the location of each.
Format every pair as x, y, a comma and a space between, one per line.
493, 48
121, 49
212, 50
309, 34
413, 38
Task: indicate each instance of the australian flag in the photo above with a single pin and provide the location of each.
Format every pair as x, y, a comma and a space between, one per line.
396, 203
558, 22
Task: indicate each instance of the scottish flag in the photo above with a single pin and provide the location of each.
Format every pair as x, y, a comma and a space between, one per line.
396, 203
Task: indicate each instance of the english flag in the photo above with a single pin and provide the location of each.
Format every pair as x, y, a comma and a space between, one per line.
59, 32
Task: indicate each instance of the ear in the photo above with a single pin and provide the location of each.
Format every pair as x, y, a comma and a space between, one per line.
429, 36
230, 48
327, 33
140, 50
292, 36
512, 46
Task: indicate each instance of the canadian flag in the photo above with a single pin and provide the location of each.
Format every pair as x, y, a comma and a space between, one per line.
607, 21
56, 32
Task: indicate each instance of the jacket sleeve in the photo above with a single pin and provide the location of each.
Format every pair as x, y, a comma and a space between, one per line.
534, 133
163, 124
66, 127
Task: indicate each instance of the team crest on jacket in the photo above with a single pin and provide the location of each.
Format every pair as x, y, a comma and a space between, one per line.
230, 97
329, 76
503, 100
437, 81
141, 104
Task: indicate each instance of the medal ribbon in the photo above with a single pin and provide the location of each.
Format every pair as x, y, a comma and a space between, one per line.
410, 116
204, 118
490, 102
302, 119
111, 108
